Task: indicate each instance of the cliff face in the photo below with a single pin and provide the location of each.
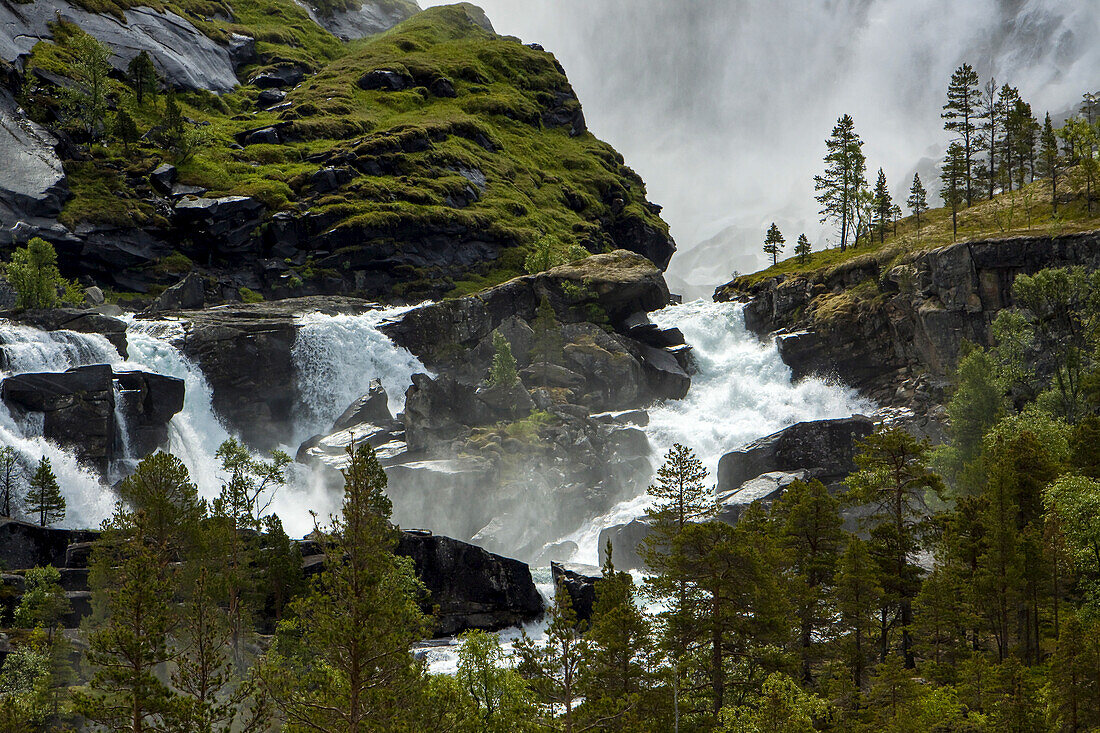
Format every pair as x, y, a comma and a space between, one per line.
895, 331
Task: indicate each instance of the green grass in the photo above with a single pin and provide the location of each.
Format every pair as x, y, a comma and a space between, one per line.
1025, 212
540, 181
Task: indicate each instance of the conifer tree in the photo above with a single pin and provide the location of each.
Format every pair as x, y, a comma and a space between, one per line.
9, 478
1050, 162
34, 275
43, 607
858, 597
808, 520
172, 129
963, 115
44, 500
553, 669
845, 169
124, 129
773, 243
615, 678
502, 372
132, 589
1007, 99
86, 102
918, 200
802, 249
893, 478
884, 205
342, 661
953, 177
991, 127
142, 77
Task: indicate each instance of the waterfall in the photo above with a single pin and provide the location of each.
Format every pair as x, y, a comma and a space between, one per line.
742, 391
22, 350
336, 357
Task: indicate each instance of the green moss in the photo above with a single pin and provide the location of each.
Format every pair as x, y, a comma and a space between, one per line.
249, 296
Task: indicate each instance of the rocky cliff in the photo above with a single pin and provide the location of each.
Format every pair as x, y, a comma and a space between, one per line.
894, 329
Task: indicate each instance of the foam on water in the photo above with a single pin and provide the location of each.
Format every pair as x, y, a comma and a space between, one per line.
742, 391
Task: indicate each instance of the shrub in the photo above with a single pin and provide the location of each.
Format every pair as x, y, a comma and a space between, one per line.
34, 275
503, 371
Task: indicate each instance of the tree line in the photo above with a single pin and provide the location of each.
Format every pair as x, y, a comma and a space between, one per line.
998, 145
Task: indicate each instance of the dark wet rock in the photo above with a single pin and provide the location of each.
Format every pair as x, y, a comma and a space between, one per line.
24, 545
220, 226
472, 588
148, 402
184, 56
579, 581
373, 407
245, 352
329, 179
625, 542
242, 50
442, 87
188, 294
385, 80
269, 97
565, 111
825, 449
78, 408
279, 77
265, 136
163, 178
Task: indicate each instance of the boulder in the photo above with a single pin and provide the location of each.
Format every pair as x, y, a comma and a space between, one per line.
373, 407
220, 226
242, 49
331, 450
80, 320
385, 80
506, 403
442, 87
825, 449
579, 582
188, 294
94, 296
264, 136
148, 402
269, 97
278, 77
440, 409
78, 408
546, 374
163, 178
625, 540
765, 488
470, 587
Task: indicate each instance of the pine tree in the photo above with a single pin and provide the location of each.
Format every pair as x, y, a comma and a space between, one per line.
34, 275
615, 679
884, 205
124, 129
858, 596
9, 478
990, 128
963, 115
132, 585
502, 372
342, 661
802, 249
1007, 97
553, 669
1027, 139
43, 607
44, 500
893, 479
839, 185
953, 175
86, 102
1050, 160
918, 200
808, 520
172, 131
142, 77
773, 243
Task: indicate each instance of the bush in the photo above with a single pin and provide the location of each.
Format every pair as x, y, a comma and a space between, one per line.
250, 296
503, 371
34, 275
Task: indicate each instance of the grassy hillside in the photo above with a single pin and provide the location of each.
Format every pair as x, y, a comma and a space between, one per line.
494, 161
1028, 211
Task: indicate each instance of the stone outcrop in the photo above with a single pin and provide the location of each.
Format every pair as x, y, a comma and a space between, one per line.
34, 184
370, 17
471, 588
579, 581
895, 332
78, 409
73, 319
183, 55
245, 352
824, 449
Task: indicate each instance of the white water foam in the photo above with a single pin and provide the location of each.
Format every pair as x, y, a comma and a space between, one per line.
336, 357
742, 391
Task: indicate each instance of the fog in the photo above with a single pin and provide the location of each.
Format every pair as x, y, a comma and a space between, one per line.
723, 106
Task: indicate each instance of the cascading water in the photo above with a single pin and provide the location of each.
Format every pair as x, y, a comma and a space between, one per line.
336, 357
22, 350
742, 391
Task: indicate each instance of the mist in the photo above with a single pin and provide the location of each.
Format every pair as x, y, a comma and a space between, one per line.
723, 106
